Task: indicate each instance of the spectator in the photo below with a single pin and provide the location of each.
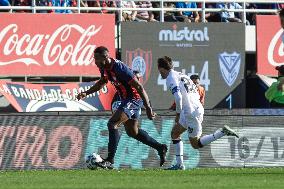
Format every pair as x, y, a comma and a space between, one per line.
44, 3
156, 13
5, 3
22, 3
275, 93
281, 17
200, 89
281, 6
93, 3
103, 4
212, 16
98, 3
252, 16
267, 6
192, 16
227, 16
146, 16
128, 15
63, 3
171, 16
168, 15
107, 3
83, 4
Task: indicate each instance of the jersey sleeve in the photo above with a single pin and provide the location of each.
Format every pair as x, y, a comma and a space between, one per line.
172, 84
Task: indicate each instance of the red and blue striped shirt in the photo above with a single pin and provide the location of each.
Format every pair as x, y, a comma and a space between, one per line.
120, 75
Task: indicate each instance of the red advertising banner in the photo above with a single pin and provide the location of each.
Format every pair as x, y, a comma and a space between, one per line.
27, 97
53, 44
270, 52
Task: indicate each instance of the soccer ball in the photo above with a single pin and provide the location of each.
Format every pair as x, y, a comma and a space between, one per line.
92, 160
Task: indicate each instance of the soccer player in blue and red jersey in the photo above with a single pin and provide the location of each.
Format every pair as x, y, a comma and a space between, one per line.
132, 95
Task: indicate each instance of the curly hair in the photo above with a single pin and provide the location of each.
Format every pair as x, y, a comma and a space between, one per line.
101, 50
165, 62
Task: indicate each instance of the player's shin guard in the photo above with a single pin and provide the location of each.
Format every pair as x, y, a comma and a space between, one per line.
143, 137
178, 145
207, 139
112, 144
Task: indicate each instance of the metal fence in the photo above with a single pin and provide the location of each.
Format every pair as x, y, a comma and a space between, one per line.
34, 8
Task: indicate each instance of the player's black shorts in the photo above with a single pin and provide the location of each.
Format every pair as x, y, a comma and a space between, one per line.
131, 107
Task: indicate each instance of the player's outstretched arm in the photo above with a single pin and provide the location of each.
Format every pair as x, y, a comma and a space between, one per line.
97, 86
140, 89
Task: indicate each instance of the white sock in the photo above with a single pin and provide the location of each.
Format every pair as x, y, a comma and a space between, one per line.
178, 144
207, 139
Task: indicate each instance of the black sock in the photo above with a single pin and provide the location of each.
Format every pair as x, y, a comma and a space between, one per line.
199, 143
143, 137
175, 141
112, 144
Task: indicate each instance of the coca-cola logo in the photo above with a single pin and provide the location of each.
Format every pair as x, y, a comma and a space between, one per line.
275, 52
54, 48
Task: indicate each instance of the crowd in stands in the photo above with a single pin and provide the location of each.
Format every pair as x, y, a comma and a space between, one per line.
152, 16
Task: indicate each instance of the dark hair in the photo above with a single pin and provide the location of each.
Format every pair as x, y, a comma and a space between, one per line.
281, 13
165, 62
194, 77
101, 50
280, 70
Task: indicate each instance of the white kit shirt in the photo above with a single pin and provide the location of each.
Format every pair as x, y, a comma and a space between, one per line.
185, 93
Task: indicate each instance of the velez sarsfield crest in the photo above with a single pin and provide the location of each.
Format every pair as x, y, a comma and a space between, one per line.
230, 66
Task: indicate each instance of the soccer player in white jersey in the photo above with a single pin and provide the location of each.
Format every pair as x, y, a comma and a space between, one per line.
189, 112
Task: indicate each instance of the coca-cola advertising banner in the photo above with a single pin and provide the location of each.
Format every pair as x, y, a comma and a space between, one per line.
53, 44
56, 97
269, 44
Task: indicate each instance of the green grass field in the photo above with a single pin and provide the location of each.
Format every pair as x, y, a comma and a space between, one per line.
203, 178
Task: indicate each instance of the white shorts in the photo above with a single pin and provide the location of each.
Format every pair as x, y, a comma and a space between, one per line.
192, 124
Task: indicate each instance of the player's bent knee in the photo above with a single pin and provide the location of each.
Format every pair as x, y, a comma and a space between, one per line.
174, 135
194, 144
131, 133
